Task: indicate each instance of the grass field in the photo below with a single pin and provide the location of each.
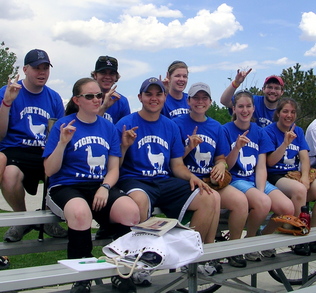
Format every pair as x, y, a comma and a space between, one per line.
37, 259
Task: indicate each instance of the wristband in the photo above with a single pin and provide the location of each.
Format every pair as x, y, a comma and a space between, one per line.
6, 104
106, 186
234, 84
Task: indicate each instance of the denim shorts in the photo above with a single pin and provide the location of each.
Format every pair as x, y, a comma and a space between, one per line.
244, 186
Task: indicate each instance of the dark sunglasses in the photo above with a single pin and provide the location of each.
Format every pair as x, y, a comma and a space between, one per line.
92, 96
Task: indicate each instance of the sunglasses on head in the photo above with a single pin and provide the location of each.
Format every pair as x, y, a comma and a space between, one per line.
92, 96
107, 58
243, 92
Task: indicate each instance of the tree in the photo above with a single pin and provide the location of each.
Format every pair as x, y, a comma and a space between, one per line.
301, 86
220, 114
7, 60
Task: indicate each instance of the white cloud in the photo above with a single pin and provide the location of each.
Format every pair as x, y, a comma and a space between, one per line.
281, 61
139, 33
152, 10
13, 10
311, 52
237, 47
308, 26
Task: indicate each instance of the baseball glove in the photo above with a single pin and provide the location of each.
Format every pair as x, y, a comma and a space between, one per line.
296, 175
219, 184
291, 225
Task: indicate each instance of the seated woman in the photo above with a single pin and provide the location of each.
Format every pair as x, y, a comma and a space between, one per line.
249, 145
205, 152
291, 154
82, 161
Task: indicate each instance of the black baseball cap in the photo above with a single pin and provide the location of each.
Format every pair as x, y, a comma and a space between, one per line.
106, 62
36, 57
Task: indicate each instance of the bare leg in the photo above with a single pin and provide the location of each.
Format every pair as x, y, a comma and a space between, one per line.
12, 188
205, 218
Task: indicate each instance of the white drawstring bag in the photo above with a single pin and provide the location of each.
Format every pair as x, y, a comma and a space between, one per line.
145, 251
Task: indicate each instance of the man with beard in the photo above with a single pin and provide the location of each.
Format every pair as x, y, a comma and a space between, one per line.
273, 89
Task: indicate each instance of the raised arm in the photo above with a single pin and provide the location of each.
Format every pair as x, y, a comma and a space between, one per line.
10, 95
53, 163
226, 98
128, 138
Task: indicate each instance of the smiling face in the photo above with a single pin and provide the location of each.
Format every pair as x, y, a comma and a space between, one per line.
272, 92
178, 80
200, 102
286, 116
106, 79
153, 100
243, 108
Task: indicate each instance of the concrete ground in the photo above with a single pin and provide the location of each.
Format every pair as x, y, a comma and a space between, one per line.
34, 202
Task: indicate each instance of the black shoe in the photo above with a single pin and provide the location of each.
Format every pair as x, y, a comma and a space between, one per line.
81, 287
4, 262
312, 246
237, 261
302, 249
102, 233
123, 285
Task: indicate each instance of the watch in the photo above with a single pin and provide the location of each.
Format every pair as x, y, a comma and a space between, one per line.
105, 185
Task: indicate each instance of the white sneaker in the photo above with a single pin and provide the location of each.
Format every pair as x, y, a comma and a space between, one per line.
142, 278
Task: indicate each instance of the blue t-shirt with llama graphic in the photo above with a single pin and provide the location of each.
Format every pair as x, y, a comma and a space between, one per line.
157, 142
260, 143
86, 155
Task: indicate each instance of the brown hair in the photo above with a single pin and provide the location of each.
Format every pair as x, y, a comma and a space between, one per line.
280, 105
175, 65
71, 107
237, 96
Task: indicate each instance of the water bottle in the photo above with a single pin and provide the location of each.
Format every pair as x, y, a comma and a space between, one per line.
305, 216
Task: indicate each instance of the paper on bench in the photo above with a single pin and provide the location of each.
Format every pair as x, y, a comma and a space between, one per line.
76, 265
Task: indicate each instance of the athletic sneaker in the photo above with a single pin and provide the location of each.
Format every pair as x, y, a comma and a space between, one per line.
253, 256
16, 233
142, 278
55, 230
123, 285
269, 253
81, 287
237, 261
207, 269
4, 262
302, 249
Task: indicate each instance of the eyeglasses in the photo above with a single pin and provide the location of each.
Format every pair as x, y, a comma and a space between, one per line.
92, 96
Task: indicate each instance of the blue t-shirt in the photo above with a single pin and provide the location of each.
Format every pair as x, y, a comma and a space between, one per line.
28, 117
290, 160
244, 168
174, 108
200, 160
86, 155
118, 110
157, 142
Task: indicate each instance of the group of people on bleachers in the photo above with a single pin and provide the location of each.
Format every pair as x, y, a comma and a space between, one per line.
106, 163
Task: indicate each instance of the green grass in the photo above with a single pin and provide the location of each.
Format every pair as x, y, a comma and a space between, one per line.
44, 258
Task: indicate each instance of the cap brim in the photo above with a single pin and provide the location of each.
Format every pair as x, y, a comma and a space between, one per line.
104, 68
39, 62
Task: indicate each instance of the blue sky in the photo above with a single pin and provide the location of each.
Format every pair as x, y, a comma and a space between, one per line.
214, 38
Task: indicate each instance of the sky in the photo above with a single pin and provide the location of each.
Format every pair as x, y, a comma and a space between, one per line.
214, 38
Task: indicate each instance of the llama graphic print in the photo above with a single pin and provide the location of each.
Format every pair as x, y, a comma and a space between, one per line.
245, 161
288, 161
202, 157
156, 160
95, 162
37, 130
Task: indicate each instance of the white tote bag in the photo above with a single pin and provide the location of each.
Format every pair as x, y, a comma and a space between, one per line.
174, 249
